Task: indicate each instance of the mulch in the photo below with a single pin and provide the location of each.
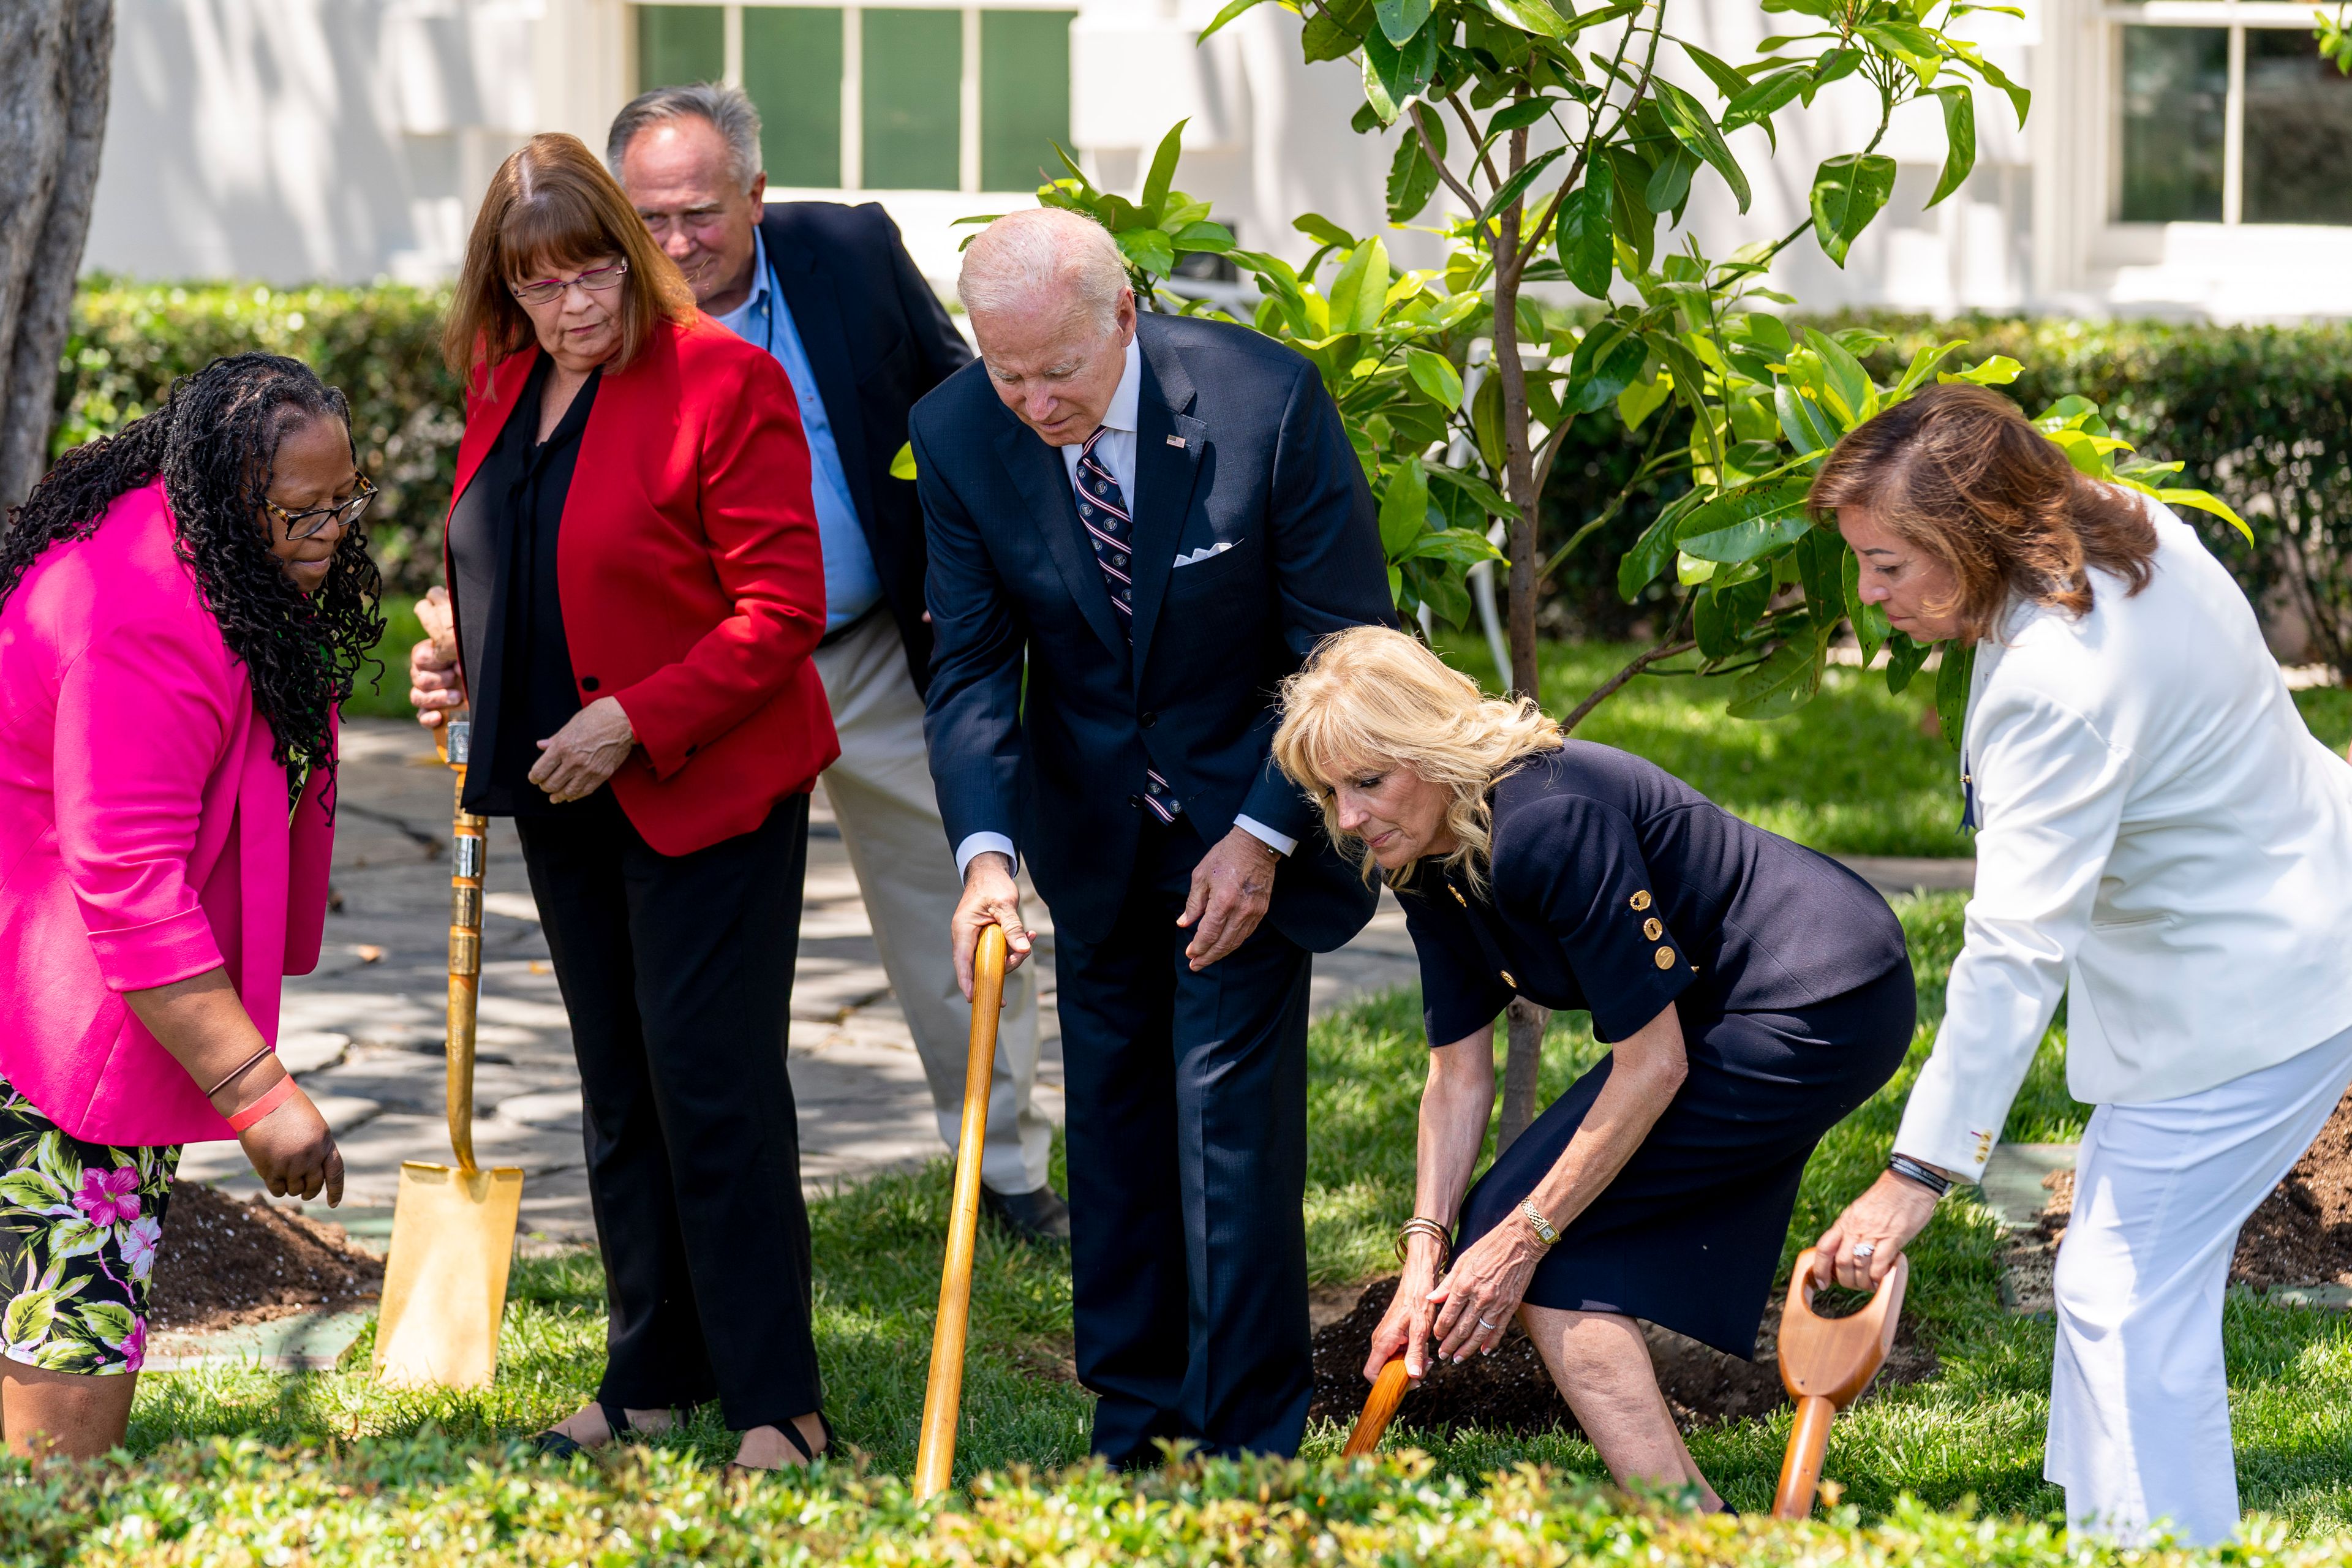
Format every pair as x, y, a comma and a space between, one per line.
2302, 1233
1511, 1391
222, 1263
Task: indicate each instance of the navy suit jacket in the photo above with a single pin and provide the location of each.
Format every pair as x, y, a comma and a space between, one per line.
1264, 467
878, 340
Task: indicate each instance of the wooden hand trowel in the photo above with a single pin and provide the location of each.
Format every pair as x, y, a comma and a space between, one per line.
1825, 1363
453, 1226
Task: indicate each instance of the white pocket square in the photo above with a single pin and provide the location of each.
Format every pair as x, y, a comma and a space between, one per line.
1195, 557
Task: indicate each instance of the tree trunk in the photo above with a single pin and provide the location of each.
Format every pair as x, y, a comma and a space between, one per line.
1528, 1023
54, 60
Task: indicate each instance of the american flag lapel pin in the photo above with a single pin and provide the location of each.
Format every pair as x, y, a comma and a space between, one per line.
1176, 441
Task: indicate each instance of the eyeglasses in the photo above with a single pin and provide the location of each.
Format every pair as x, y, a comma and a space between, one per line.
596, 279
313, 523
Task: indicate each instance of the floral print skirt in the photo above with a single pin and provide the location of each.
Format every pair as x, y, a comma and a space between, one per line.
78, 1226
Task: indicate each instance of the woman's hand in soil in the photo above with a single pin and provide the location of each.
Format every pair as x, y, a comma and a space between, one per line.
292, 1148
1484, 1287
1405, 1327
1885, 1219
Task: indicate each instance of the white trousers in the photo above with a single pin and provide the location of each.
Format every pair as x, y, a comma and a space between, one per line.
888, 813
2139, 1403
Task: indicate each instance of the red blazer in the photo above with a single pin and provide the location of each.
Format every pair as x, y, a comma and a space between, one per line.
691, 578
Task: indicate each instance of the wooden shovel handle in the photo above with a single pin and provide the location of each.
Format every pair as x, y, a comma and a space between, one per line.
1800, 1468
1380, 1408
469, 848
943, 1399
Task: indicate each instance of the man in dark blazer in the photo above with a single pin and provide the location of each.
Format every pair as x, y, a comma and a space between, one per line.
1138, 527
830, 292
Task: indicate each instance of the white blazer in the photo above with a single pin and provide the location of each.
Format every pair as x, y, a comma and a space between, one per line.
2159, 837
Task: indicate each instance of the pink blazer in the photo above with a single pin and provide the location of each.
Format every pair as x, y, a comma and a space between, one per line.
144, 831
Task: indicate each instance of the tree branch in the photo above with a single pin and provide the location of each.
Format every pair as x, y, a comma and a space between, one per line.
1420, 113
1609, 687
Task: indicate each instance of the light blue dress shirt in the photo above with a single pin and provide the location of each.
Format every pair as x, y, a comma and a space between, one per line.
851, 584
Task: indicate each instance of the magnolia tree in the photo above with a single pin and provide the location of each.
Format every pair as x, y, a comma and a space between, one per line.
1568, 158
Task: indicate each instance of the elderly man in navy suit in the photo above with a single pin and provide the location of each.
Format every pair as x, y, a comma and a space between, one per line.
1137, 526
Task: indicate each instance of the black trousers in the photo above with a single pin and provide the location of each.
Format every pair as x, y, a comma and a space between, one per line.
677, 973
1186, 1098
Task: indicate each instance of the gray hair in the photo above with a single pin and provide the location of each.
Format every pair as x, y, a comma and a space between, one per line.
727, 109
1033, 256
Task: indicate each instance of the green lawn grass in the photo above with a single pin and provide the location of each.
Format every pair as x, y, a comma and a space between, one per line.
1970, 1436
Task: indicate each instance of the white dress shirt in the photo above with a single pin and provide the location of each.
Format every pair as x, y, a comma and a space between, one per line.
2160, 839
1115, 451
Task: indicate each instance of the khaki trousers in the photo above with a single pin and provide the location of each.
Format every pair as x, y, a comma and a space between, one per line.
882, 798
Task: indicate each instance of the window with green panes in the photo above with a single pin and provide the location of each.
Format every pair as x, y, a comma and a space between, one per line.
918, 114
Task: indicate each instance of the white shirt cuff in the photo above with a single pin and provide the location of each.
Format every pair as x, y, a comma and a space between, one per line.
982, 844
1280, 843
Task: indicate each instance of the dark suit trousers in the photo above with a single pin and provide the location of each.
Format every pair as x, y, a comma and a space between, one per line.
1186, 1098
677, 973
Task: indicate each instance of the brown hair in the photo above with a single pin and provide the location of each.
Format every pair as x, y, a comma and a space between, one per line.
1957, 472
551, 203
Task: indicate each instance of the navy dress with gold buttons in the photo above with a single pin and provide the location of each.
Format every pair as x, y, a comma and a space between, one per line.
1618, 888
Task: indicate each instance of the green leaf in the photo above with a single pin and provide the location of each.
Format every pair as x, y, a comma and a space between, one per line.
1150, 250
1997, 371
1401, 74
1323, 231
2203, 502
1869, 621
1745, 524
1485, 496
1514, 188
1401, 19
1404, 509
1727, 82
1641, 400
1952, 689
1784, 683
1464, 546
1232, 10
1163, 174
1848, 191
110, 1321
1903, 658
1487, 423
1635, 225
1213, 238
1532, 17
1821, 555
1764, 96
1412, 179
1850, 395
73, 1238
1960, 139
27, 1188
1606, 363
1517, 113
1914, 46
1360, 292
1641, 565
1326, 38
1669, 187
1688, 120
29, 1316
1435, 375
902, 462
1807, 427
1585, 236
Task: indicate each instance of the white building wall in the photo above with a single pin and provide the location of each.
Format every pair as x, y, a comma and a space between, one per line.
347, 139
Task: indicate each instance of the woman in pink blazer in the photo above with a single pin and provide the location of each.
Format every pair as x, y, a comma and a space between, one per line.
183, 607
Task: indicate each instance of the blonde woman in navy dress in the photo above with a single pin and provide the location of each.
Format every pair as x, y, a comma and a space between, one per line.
1753, 991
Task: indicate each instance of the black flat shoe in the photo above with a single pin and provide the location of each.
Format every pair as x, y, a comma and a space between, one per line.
1041, 1215
553, 1445
791, 1435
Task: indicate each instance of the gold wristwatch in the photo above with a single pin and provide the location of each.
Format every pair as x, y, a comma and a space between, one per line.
1543, 1227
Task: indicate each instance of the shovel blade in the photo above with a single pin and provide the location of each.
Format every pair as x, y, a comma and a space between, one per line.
445, 1284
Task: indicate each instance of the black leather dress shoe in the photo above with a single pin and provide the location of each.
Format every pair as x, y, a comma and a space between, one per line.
1041, 1215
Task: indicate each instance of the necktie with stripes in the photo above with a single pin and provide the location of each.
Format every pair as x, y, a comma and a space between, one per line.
1102, 509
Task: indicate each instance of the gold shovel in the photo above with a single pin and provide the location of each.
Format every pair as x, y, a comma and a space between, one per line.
452, 1227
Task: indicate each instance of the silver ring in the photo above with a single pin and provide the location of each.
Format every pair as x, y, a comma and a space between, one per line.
1864, 1249
1486, 1325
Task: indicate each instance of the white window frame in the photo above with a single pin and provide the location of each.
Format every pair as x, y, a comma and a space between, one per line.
852, 107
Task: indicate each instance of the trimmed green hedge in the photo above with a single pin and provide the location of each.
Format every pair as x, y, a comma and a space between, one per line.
2261, 415
427, 1503
381, 346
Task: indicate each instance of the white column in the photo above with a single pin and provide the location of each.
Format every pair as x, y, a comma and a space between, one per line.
852, 99
968, 116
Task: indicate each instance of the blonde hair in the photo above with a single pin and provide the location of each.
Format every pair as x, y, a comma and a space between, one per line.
1369, 698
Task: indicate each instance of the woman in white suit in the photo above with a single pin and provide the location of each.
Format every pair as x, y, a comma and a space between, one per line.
2160, 839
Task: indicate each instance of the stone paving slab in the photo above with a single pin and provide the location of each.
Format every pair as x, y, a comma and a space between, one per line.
307, 1341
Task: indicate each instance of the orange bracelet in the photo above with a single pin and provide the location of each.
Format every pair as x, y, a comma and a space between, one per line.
276, 1095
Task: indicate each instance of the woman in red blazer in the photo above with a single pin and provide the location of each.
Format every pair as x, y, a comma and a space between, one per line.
636, 590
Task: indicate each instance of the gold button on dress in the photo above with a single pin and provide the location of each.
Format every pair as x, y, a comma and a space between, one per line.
1639, 900
1652, 928
1666, 958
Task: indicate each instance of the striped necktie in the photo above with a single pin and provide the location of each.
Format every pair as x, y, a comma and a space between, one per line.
1102, 509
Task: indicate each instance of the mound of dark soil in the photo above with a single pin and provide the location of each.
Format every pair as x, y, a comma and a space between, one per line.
1511, 1391
223, 1262
2302, 1233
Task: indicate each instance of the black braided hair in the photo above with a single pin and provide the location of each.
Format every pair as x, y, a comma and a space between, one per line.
214, 442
